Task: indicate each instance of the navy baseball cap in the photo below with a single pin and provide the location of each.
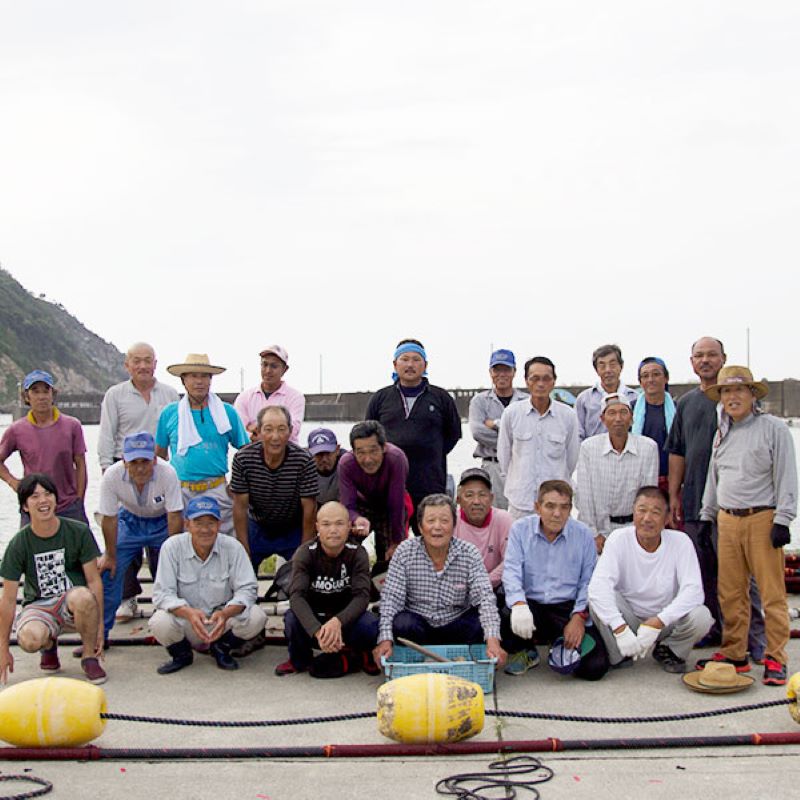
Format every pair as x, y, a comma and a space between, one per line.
322, 440
565, 660
503, 358
201, 507
475, 473
139, 445
37, 376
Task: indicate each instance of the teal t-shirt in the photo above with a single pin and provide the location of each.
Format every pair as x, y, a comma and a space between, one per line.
53, 565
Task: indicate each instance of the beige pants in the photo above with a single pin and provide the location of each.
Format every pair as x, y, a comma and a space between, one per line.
169, 629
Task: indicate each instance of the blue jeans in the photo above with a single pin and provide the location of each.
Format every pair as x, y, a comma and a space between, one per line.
133, 533
263, 545
361, 636
466, 629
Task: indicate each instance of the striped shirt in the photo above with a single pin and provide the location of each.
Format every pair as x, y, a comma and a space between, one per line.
274, 494
414, 585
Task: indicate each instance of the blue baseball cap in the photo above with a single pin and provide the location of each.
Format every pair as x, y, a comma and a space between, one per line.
322, 440
202, 507
565, 660
139, 445
37, 376
503, 358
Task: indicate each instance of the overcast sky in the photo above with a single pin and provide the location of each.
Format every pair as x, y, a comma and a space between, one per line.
334, 176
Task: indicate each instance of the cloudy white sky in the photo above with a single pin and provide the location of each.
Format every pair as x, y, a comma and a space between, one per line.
333, 176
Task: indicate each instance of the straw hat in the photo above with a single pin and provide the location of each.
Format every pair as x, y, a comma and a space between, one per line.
733, 376
717, 677
195, 362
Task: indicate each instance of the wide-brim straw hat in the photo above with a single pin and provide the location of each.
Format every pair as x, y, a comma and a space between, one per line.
736, 376
717, 677
195, 362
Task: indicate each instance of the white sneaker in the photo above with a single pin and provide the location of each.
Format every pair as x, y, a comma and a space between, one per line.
128, 609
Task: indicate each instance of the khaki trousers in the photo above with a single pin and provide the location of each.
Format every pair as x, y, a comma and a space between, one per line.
169, 629
744, 548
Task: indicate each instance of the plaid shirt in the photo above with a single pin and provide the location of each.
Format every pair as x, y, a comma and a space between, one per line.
413, 585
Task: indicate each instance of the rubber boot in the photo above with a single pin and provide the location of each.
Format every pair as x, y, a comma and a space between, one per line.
221, 650
182, 656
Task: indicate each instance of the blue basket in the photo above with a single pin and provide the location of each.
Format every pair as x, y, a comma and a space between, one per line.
477, 667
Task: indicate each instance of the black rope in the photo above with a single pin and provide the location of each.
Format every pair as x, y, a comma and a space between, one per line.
46, 787
519, 765
489, 713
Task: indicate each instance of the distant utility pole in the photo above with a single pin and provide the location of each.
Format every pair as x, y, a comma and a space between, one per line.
241, 379
748, 348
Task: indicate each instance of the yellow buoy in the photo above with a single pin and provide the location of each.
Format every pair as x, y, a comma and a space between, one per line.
792, 692
430, 708
51, 712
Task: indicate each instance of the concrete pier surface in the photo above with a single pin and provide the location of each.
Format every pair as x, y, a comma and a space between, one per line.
253, 692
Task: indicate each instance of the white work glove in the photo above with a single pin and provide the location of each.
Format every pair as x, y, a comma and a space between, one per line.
627, 643
646, 636
522, 621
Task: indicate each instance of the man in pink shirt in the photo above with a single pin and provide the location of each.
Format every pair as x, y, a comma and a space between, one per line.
485, 527
48, 442
272, 391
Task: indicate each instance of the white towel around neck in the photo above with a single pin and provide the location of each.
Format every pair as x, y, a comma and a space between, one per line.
187, 430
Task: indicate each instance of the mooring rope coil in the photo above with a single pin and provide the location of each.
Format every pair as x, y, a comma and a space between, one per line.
489, 712
47, 786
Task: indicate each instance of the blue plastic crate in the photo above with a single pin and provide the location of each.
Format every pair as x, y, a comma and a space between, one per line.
477, 667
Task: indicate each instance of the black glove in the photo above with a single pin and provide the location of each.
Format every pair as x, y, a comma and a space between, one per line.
779, 535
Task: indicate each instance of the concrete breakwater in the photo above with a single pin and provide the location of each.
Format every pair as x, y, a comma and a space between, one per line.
783, 401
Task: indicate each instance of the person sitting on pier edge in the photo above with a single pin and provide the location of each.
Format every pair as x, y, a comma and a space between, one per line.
274, 485
62, 588
372, 487
438, 590
548, 563
328, 596
195, 433
272, 391
327, 453
141, 504
421, 419
205, 592
481, 524
646, 592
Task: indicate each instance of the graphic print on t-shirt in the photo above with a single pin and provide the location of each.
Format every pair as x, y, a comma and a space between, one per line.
51, 574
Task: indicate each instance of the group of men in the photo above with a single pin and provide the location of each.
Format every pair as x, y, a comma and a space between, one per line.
509, 567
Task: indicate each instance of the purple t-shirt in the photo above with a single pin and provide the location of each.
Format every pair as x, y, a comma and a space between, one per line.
50, 450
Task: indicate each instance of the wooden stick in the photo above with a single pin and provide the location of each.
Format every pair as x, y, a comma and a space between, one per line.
424, 650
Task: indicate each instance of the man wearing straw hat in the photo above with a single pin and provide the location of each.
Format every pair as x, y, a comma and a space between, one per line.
195, 434
751, 492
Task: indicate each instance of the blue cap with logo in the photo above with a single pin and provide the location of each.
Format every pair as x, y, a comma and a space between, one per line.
322, 440
37, 376
202, 506
504, 358
139, 445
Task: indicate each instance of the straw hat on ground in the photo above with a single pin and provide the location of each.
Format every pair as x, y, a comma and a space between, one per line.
717, 678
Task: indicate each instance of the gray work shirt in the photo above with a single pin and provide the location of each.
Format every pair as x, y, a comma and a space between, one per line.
483, 406
754, 465
225, 578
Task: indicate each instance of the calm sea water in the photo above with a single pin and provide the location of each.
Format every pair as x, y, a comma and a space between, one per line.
459, 460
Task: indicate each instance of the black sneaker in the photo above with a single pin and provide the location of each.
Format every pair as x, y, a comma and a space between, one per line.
668, 660
742, 665
774, 673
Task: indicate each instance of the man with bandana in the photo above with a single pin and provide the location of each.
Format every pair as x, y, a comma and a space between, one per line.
421, 419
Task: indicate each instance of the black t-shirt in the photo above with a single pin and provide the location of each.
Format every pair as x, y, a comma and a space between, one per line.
655, 428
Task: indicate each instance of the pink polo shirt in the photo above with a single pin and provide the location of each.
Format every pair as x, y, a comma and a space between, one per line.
251, 401
490, 539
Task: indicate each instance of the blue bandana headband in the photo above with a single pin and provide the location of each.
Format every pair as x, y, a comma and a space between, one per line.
653, 360
409, 347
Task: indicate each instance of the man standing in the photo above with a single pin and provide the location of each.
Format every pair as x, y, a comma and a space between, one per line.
272, 391
612, 467
324, 447
328, 597
538, 439
141, 503
50, 443
549, 561
645, 593
485, 410
372, 487
274, 486
751, 491
689, 444
205, 592
654, 411
62, 589
421, 419
195, 435
481, 524
131, 407
607, 362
